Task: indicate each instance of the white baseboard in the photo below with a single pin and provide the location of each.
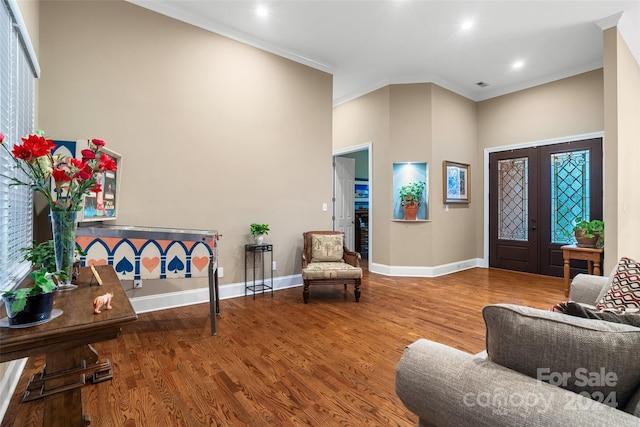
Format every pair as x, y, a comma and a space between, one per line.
198, 296
9, 382
439, 270
201, 295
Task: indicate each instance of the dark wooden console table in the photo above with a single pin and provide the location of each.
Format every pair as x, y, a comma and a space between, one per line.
71, 362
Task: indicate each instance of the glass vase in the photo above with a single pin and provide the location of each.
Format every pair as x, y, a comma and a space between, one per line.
64, 226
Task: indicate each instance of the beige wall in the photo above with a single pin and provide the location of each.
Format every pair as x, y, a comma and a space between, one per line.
622, 155
611, 173
214, 134
566, 107
418, 123
410, 141
424, 122
456, 232
364, 120
628, 94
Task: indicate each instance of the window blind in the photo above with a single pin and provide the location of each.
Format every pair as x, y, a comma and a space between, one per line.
17, 82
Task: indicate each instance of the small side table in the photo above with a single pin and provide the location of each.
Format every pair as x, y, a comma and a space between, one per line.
260, 286
593, 256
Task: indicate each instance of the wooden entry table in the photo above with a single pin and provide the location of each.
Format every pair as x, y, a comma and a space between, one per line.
593, 256
71, 362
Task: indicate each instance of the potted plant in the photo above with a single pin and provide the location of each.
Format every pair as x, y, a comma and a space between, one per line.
588, 234
32, 304
41, 255
258, 231
411, 198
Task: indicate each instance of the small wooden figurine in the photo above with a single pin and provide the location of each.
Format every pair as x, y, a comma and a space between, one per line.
102, 301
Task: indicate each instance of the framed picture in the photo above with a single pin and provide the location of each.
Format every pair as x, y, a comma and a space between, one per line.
100, 206
361, 197
362, 191
457, 187
103, 206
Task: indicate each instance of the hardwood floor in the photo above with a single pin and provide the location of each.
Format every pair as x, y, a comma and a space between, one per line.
279, 362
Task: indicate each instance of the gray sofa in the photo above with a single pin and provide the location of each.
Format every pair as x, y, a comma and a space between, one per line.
525, 346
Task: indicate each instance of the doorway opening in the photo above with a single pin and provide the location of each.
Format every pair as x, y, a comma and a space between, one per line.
352, 198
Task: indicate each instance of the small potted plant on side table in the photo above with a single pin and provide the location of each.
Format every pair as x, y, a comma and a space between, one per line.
258, 231
588, 234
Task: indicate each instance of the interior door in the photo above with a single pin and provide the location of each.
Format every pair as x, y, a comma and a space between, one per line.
344, 205
534, 196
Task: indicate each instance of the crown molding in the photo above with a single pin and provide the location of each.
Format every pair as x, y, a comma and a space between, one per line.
233, 34
609, 21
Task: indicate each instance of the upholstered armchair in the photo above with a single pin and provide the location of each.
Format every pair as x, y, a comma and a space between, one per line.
326, 261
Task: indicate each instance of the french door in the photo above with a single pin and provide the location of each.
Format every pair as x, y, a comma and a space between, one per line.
534, 196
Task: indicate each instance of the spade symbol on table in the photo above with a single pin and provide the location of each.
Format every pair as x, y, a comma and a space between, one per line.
176, 265
124, 266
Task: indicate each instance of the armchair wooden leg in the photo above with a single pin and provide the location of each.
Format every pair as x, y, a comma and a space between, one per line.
357, 291
305, 292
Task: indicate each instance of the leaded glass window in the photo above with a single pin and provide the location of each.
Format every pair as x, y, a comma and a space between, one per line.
570, 184
513, 199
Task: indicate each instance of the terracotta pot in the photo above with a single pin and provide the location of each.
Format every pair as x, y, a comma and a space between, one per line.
410, 212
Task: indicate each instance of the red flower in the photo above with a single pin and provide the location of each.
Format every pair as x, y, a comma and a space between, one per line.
88, 154
39, 145
22, 152
73, 177
60, 175
85, 173
77, 163
107, 163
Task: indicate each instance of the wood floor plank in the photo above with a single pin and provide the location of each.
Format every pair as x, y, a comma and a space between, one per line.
280, 362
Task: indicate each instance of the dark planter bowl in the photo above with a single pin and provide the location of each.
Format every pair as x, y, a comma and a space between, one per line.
586, 242
37, 309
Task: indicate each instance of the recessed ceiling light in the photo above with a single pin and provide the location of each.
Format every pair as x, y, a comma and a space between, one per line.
518, 64
466, 25
262, 11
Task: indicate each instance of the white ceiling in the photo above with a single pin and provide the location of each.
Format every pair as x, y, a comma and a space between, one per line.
370, 44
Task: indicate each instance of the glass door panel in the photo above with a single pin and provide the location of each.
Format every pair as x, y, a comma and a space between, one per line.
513, 199
570, 196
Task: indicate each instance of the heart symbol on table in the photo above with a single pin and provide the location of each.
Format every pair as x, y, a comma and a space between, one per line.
124, 266
175, 265
150, 263
200, 262
96, 262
